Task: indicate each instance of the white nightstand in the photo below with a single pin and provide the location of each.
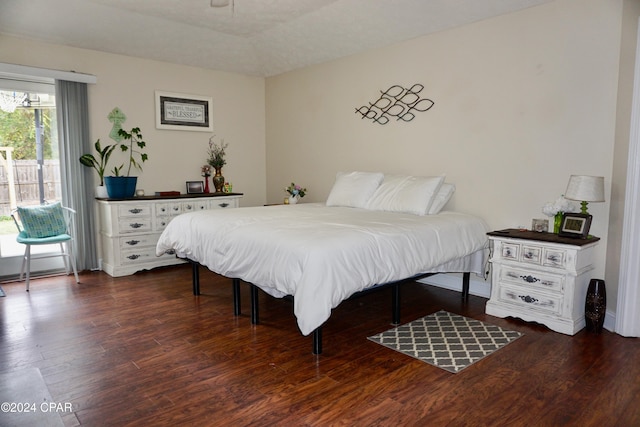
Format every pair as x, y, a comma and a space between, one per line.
540, 277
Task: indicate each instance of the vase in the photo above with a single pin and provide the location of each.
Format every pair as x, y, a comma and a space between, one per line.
595, 306
121, 187
218, 180
206, 184
557, 222
293, 200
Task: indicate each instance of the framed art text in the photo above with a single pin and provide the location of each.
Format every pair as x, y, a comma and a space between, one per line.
176, 111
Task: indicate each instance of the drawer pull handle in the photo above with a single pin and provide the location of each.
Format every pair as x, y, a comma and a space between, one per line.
135, 211
163, 210
223, 205
530, 279
135, 225
132, 242
528, 299
189, 207
175, 208
134, 256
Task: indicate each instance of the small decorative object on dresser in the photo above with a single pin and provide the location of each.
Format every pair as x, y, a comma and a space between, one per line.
540, 277
595, 307
206, 173
217, 161
195, 187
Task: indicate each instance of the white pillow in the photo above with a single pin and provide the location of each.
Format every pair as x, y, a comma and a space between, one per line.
353, 189
441, 199
405, 193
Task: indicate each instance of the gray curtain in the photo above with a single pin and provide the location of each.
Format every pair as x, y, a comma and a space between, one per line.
77, 182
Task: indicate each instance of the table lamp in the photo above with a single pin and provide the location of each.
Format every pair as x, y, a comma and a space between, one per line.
585, 189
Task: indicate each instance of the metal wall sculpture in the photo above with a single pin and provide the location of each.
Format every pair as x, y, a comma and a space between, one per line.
397, 102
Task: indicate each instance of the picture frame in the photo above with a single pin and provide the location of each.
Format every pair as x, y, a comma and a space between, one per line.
540, 225
175, 111
195, 187
575, 225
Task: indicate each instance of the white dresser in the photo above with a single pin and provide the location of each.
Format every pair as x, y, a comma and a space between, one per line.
540, 277
130, 228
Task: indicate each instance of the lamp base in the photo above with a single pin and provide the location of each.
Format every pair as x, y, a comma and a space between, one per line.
583, 207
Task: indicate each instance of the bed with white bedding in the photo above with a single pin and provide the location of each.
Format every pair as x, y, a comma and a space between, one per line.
322, 254
372, 230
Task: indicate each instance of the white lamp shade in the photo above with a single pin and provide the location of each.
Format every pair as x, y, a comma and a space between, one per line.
585, 188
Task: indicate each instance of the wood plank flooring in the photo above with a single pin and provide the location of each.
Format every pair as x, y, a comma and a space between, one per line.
143, 351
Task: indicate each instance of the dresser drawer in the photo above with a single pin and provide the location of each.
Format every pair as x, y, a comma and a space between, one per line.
134, 225
134, 211
532, 278
531, 299
221, 204
141, 255
138, 241
169, 209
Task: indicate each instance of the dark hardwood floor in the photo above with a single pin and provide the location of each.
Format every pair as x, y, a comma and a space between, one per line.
143, 351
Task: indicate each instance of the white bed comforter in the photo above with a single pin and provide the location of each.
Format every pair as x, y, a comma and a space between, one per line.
321, 255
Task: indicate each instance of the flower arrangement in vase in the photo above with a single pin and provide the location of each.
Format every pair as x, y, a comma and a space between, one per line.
295, 192
217, 161
557, 209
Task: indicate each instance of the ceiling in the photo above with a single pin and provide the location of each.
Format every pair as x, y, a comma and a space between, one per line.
253, 37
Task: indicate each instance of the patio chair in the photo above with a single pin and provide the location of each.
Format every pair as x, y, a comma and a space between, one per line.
46, 225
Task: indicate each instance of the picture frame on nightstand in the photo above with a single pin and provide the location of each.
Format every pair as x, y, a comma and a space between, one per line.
575, 225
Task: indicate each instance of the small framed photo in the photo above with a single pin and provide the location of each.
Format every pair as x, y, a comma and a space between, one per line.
540, 225
195, 187
575, 225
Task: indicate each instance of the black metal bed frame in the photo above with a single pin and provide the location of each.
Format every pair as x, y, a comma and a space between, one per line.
317, 333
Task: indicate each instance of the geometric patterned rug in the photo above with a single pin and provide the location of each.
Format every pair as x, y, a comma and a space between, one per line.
448, 341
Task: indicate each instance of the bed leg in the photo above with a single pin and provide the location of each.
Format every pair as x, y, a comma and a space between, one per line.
254, 305
395, 304
317, 340
465, 286
236, 297
195, 277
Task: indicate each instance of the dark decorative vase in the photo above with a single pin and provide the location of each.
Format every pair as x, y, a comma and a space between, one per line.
218, 180
206, 184
595, 305
121, 187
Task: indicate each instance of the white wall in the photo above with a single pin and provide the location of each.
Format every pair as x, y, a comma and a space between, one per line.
174, 156
522, 101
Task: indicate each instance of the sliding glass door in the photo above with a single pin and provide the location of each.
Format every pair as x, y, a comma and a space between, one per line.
29, 165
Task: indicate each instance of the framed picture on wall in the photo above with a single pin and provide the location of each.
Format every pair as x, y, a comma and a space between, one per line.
575, 225
175, 111
195, 187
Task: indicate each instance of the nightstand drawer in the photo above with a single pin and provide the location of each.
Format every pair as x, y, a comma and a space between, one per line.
531, 299
532, 278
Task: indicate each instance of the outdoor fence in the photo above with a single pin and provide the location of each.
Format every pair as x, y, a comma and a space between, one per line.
27, 187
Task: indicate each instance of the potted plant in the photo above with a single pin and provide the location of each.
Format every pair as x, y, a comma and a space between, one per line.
89, 160
123, 186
